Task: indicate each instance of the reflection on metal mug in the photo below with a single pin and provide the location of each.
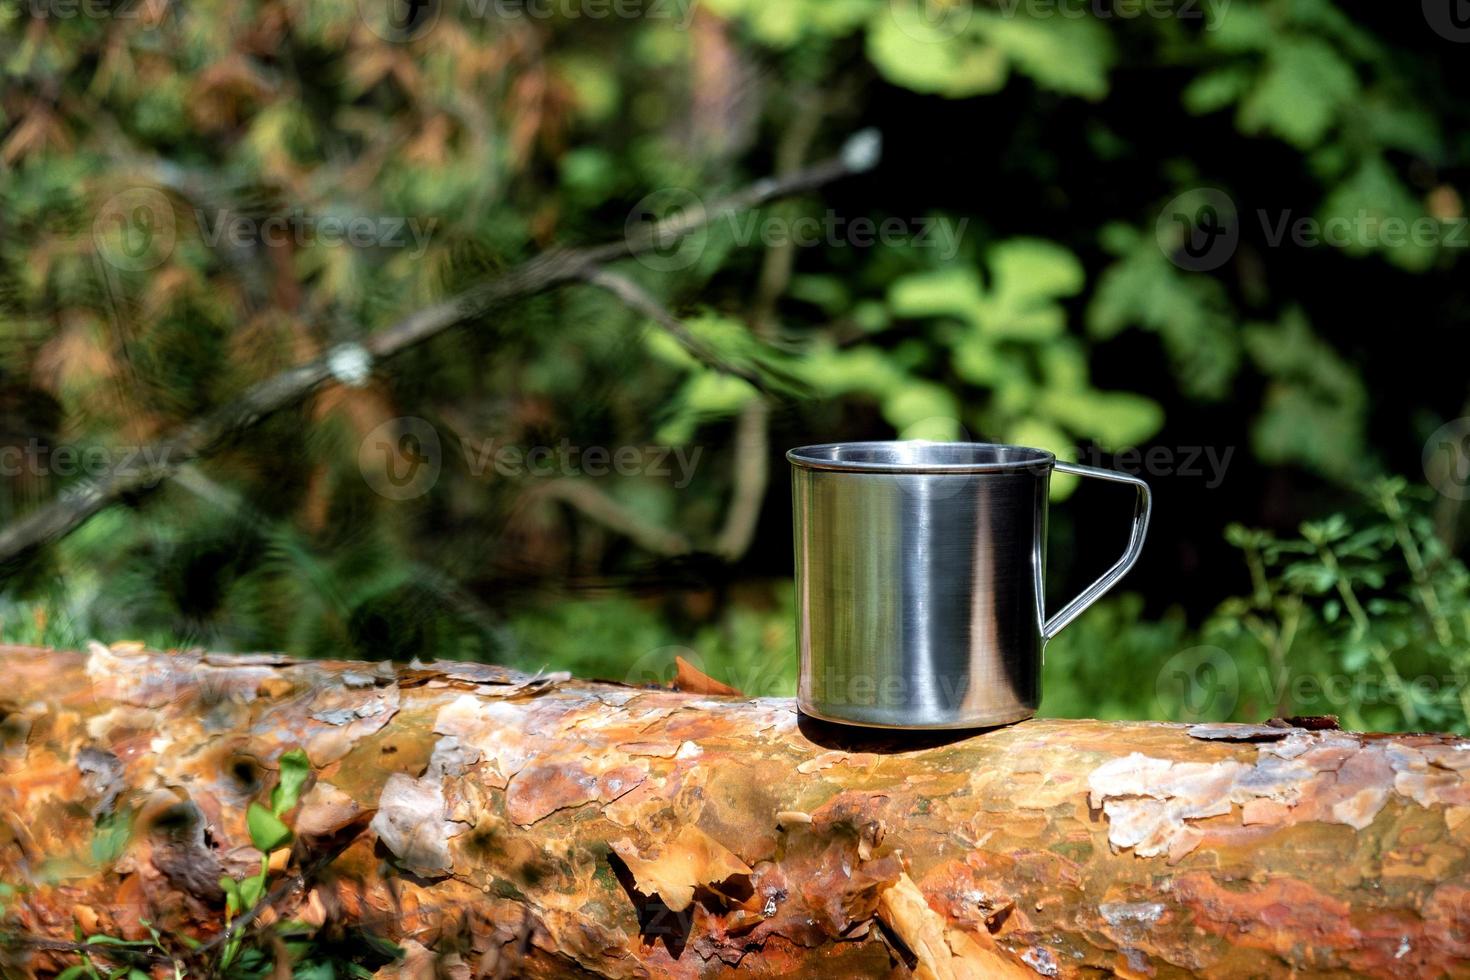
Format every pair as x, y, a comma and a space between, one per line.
919, 570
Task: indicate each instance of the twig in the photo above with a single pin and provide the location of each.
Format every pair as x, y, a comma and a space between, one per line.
636, 298
613, 515
206, 434
279, 891
752, 427
107, 951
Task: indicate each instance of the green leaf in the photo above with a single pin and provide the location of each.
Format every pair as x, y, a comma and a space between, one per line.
932, 56
923, 405
1190, 312
231, 888
1356, 657
951, 291
1300, 94
1378, 213
1068, 54
1315, 410
295, 767
1116, 420
250, 891
267, 832
112, 836
1217, 89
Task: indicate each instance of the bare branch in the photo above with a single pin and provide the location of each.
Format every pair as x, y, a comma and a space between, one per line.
637, 298
752, 438
206, 434
608, 512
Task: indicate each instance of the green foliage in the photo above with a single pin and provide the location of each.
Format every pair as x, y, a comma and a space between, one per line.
1366, 618
1037, 141
259, 952
267, 831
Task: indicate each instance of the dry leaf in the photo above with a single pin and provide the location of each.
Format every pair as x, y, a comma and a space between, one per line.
691, 680
679, 865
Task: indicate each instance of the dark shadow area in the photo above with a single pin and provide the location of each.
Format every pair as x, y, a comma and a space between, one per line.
853, 738
656, 921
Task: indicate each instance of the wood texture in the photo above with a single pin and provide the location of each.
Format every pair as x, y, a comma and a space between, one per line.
550, 827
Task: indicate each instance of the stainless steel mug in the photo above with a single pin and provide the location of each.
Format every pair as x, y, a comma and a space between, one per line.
919, 571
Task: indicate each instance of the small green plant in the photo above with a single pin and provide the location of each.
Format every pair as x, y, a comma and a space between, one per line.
1382, 592
288, 948
269, 833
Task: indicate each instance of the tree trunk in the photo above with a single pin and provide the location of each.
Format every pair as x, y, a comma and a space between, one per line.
546, 827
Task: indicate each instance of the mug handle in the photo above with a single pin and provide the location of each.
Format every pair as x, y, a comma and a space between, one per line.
1095, 591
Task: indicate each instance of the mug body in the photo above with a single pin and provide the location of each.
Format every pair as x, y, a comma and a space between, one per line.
919, 570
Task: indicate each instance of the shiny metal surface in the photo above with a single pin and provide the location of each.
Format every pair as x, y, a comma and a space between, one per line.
919, 571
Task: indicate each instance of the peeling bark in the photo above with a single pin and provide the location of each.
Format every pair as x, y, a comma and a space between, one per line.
542, 826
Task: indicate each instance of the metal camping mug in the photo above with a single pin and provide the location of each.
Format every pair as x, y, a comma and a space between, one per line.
919, 571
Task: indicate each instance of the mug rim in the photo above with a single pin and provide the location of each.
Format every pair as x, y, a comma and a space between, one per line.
839, 457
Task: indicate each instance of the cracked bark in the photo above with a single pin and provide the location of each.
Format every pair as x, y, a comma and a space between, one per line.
542, 826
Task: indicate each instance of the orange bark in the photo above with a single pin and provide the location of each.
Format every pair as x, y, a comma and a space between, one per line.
546, 827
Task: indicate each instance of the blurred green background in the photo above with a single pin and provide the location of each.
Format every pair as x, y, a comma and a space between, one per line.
1218, 244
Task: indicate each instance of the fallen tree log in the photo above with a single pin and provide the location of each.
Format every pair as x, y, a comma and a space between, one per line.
540, 826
